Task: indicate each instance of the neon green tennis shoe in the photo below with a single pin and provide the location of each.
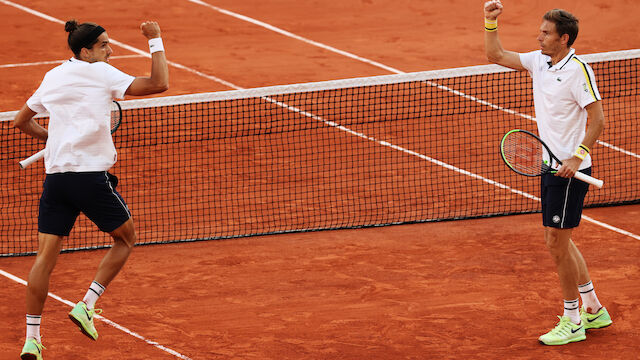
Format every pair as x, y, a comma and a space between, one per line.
83, 317
595, 321
32, 350
564, 332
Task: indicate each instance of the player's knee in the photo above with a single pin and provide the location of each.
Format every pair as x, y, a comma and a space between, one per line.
556, 243
125, 234
43, 265
131, 241
551, 241
128, 239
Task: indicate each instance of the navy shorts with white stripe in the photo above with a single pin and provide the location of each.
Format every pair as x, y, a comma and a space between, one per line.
562, 200
65, 195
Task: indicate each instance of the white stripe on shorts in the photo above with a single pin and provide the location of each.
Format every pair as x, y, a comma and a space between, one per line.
564, 206
117, 197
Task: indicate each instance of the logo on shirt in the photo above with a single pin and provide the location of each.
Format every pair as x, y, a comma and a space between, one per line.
585, 87
559, 79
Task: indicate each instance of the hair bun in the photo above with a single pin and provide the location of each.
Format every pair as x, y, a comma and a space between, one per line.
71, 26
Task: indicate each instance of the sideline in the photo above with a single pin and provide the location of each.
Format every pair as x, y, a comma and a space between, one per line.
103, 319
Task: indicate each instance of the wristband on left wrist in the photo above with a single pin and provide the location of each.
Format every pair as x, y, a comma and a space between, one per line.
581, 152
155, 45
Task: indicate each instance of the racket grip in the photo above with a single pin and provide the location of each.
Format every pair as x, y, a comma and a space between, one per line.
588, 179
31, 159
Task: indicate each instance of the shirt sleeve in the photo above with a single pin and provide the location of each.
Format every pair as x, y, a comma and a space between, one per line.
529, 59
35, 101
117, 81
584, 87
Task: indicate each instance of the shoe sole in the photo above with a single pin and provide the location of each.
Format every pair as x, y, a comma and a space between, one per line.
566, 342
79, 324
28, 357
598, 327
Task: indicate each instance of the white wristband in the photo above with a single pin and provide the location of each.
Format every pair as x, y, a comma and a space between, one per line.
155, 44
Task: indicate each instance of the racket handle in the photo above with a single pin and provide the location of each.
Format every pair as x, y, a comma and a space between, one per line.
588, 179
31, 159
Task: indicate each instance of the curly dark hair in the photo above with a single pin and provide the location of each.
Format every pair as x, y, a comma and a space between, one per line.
83, 35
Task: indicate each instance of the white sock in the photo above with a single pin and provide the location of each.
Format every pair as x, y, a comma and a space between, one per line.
33, 327
590, 301
92, 295
571, 310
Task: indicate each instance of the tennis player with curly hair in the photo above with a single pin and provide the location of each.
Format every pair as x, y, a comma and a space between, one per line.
565, 95
78, 154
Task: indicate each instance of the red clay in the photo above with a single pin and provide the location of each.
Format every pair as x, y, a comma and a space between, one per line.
475, 289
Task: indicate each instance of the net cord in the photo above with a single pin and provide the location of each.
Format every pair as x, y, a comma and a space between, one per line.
341, 84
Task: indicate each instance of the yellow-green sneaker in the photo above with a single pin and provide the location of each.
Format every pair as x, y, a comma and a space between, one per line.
564, 332
595, 321
32, 350
83, 317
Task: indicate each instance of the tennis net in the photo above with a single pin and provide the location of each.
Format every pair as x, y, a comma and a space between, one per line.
330, 155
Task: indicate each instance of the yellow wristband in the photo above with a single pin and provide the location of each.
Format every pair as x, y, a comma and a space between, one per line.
581, 152
490, 25
585, 147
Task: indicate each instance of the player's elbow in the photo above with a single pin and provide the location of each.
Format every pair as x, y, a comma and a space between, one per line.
153, 88
493, 57
19, 123
600, 125
160, 86
147, 86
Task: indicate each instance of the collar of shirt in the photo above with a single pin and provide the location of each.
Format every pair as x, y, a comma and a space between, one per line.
74, 60
560, 64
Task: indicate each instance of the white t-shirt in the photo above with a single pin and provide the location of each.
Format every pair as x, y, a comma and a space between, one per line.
78, 96
560, 94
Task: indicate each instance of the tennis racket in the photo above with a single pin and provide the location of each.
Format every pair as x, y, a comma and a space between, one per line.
116, 119
524, 153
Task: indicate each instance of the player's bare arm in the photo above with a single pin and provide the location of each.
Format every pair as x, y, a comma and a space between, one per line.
595, 114
493, 48
24, 121
159, 80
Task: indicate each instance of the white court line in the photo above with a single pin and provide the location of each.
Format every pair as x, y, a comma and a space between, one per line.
363, 136
124, 46
61, 61
103, 319
612, 228
297, 37
383, 66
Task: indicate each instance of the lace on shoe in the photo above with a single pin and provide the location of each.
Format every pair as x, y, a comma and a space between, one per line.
563, 327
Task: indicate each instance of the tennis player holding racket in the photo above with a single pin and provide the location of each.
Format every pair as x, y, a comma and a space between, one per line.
565, 95
78, 154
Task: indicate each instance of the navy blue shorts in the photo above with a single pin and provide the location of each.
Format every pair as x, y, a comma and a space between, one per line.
562, 200
94, 194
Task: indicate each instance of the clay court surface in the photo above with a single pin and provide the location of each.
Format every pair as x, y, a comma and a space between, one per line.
470, 289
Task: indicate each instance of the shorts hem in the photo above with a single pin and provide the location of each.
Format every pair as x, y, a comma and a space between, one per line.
56, 233
558, 226
106, 230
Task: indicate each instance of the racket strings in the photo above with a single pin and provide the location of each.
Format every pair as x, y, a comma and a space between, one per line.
116, 116
524, 153
114, 119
